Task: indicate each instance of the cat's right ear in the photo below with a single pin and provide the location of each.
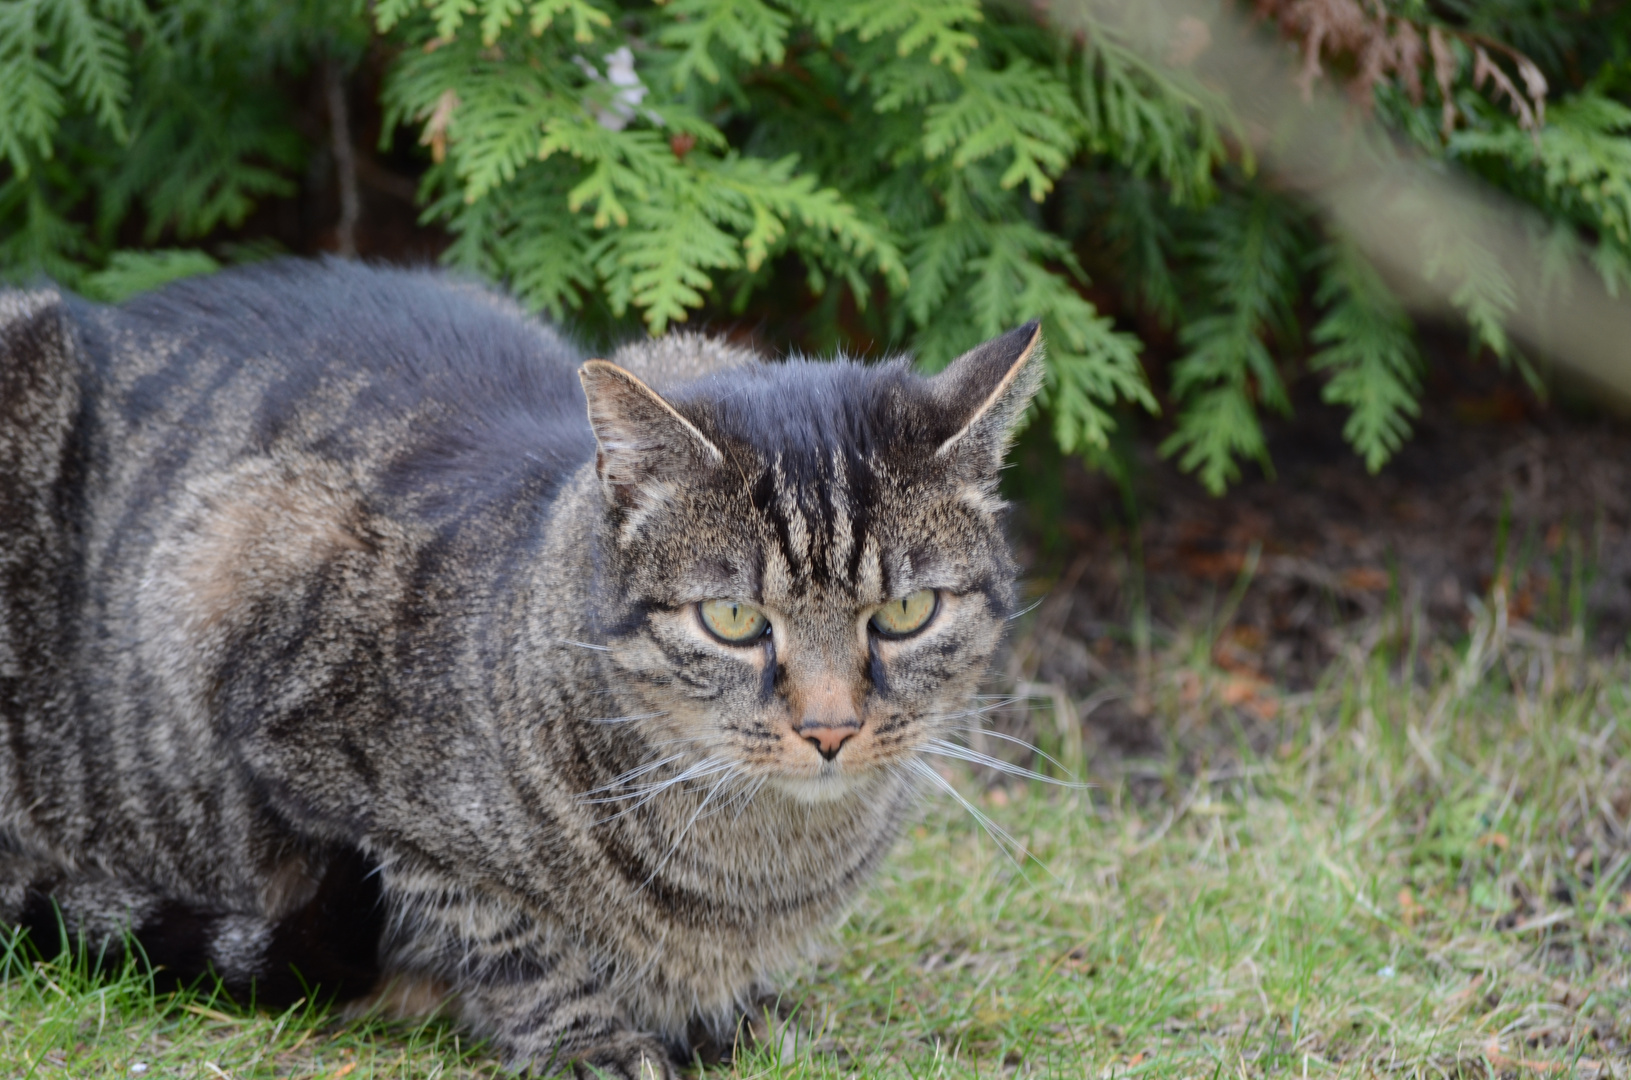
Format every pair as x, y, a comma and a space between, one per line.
985, 392
642, 440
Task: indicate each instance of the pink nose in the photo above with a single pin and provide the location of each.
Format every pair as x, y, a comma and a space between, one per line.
827, 740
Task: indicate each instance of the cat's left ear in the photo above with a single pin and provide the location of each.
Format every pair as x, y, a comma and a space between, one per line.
643, 440
986, 391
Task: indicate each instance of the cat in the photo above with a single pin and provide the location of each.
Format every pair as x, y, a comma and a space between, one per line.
353, 627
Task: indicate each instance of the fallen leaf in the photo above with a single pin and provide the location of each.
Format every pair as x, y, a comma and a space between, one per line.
1365, 579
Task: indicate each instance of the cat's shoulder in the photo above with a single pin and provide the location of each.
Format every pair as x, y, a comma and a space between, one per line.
33, 323
39, 360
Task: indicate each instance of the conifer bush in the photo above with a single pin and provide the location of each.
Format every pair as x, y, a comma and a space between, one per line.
948, 168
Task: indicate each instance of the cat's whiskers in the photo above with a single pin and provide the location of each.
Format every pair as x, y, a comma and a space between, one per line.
1005, 840
942, 748
686, 829
1017, 741
1027, 609
647, 792
626, 719
993, 702
750, 786
637, 771
741, 801
585, 645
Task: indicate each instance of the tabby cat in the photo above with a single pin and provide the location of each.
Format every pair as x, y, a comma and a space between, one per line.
340, 641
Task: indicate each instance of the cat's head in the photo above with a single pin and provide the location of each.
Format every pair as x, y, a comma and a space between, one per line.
802, 568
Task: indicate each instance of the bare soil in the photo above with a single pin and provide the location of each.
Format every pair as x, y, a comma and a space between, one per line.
1500, 496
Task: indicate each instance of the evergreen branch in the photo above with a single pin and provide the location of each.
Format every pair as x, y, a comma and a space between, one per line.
660, 264
200, 154
500, 127
1142, 237
132, 272
1216, 427
558, 277
898, 147
1091, 365
935, 24
992, 277
937, 264
449, 15
1248, 262
1375, 369
1023, 109
95, 62
755, 32
39, 240
387, 13
774, 194
1149, 121
1006, 280
1583, 156
1483, 290
497, 16
633, 164
939, 25
28, 87
525, 234
586, 18
1613, 264
910, 83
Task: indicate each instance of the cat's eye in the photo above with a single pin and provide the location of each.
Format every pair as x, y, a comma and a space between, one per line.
733, 621
907, 614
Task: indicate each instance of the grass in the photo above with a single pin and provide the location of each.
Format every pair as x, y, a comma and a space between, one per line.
1383, 876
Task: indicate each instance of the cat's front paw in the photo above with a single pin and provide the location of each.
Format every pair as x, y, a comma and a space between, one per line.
625, 1056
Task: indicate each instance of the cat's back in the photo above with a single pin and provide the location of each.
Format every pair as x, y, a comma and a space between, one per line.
361, 365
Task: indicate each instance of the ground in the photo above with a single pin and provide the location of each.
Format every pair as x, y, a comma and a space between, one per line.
1410, 882
1354, 757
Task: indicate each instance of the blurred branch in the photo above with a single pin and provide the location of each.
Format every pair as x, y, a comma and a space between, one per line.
1438, 237
345, 158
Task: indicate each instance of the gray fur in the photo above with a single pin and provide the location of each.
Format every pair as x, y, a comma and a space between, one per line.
335, 632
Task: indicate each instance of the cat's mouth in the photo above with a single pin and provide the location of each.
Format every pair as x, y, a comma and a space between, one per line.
828, 784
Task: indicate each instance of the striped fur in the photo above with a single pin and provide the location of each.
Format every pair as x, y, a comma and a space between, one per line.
341, 644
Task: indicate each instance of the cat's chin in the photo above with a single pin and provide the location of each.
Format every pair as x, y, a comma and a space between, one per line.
828, 786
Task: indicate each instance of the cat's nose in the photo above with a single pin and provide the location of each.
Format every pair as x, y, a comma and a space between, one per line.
829, 740
827, 714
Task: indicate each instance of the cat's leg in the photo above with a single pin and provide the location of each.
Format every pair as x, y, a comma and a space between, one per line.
82, 911
60, 909
24, 881
538, 999
326, 943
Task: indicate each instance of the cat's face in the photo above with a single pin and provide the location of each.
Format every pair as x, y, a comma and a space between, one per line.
802, 566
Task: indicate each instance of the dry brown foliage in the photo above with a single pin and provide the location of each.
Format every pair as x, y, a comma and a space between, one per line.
1370, 44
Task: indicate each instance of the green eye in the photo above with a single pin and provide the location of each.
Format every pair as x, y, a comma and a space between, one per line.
732, 621
907, 615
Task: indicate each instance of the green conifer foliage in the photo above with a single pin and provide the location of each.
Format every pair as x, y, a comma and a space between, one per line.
949, 167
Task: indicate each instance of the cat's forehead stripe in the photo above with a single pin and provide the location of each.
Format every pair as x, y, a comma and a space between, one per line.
838, 550
820, 521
